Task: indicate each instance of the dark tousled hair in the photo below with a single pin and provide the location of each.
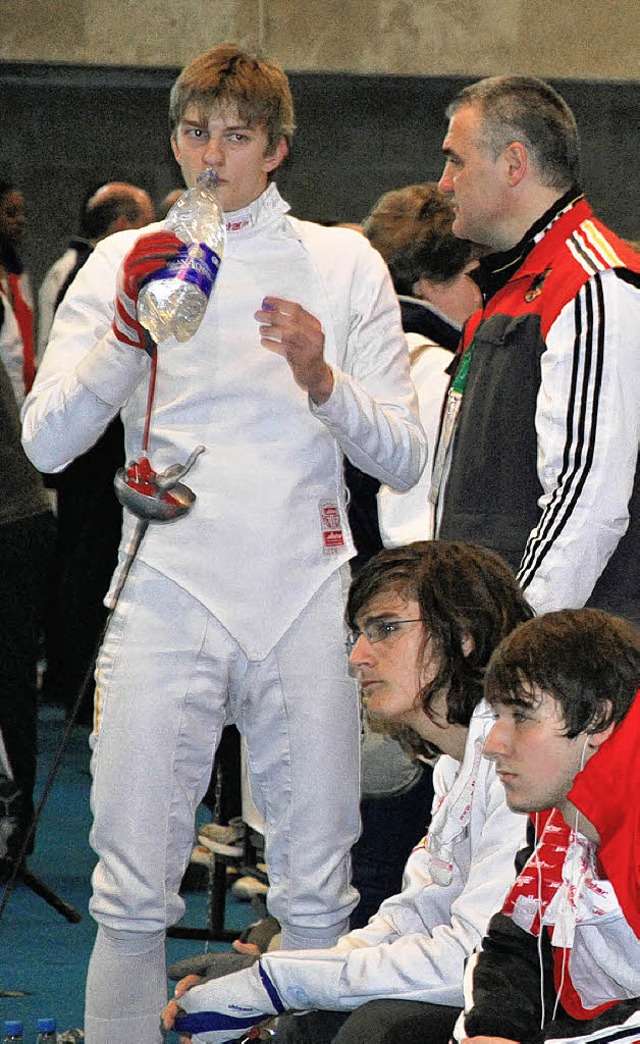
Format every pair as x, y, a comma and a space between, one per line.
587, 660
411, 228
462, 590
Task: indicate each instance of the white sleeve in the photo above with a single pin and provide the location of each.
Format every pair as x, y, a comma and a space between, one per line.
424, 964
48, 295
587, 426
405, 517
12, 350
372, 411
86, 374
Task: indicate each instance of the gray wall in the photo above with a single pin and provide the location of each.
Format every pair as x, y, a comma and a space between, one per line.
65, 129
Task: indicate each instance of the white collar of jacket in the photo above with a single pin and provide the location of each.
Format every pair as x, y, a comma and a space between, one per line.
255, 217
450, 820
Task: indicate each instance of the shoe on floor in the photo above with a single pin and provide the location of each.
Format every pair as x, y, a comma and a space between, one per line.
223, 835
218, 848
247, 888
202, 856
260, 934
211, 965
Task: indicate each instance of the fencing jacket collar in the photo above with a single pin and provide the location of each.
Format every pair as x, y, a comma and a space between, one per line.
495, 270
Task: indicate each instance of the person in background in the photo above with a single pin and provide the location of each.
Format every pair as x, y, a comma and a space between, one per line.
168, 201
432, 272
425, 618
233, 612
15, 289
538, 456
561, 961
111, 208
429, 266
89, 516
25, 545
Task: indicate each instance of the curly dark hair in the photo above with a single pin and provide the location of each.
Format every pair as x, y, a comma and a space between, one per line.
586, 659
463, 590
411, 228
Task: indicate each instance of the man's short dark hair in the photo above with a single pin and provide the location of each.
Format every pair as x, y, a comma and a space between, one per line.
462, 590
101, 212
587, 660
523, 108
411, 228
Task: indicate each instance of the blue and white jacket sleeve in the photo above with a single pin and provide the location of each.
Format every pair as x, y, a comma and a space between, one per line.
225, 1009
587, 426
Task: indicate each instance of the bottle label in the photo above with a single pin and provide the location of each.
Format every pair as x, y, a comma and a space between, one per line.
194, 263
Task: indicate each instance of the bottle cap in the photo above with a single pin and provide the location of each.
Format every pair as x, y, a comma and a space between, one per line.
12, 1027
46, 1025
208, 178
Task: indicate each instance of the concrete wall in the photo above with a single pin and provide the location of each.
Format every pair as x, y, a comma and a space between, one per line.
84, 88
550, 38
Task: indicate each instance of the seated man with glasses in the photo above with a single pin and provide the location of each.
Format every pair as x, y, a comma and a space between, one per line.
425, 619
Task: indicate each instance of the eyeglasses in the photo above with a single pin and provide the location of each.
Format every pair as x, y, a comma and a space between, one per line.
377, 631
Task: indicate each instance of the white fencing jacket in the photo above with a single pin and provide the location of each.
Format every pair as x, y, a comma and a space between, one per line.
252, 549
415, 947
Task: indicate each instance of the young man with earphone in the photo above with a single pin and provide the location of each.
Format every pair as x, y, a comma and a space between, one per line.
562, 959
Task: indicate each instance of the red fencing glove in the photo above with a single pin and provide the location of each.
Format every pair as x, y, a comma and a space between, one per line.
148, 255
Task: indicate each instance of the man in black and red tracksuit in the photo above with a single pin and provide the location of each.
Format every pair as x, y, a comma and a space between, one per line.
538, 448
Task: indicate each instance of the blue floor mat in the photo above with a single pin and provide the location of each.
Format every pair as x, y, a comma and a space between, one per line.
42, 955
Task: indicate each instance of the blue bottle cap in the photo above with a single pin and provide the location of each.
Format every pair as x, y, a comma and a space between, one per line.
46, 1025
13, 1027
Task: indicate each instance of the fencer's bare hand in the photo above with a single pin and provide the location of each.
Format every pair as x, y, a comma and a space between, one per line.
173, 1008
287, 328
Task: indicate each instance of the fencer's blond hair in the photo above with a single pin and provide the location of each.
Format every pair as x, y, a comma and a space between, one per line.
226, 75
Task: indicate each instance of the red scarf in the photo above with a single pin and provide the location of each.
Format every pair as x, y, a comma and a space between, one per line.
607, 792
538, 882
24, 318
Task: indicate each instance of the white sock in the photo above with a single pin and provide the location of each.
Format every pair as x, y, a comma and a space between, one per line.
126, 988
312, 938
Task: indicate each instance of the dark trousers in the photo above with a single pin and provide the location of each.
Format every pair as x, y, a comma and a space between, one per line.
391, 827
378, 1022
24, 561
87, 536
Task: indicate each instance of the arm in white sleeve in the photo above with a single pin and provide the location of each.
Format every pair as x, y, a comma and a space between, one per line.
11, 349
405, 517
372, 411
86, 375
430, 931
587, 428
48, 295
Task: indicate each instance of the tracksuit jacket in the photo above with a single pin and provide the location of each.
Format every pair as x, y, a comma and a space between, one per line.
543, 464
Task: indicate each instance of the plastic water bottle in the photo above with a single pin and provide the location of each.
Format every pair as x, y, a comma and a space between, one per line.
46, 1031
173, 302
12, 1032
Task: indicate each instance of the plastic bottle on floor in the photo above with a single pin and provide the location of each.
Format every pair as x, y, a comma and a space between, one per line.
12, 1032
46, 1031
